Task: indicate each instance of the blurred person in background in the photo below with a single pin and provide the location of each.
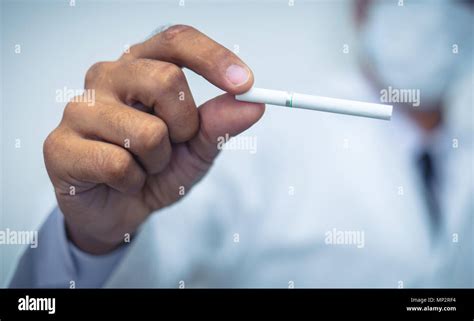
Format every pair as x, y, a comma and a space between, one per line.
392, 208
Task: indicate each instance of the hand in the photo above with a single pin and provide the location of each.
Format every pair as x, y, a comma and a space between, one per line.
143, 141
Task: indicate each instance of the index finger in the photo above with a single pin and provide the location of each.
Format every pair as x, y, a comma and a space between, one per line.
187, 47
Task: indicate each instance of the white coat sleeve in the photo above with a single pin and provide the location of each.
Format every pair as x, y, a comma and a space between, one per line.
57, 263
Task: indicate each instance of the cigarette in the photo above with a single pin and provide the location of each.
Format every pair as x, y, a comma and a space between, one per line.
319, 103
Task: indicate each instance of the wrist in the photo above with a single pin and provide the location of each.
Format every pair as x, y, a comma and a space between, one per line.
91, 243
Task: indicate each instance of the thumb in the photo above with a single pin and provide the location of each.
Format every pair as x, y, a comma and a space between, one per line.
221, 116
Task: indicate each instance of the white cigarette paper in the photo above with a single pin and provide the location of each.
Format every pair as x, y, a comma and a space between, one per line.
319, 103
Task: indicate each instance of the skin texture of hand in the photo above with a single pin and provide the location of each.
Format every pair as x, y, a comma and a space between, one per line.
143, 141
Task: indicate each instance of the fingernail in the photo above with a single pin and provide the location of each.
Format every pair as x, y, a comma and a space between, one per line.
237, 75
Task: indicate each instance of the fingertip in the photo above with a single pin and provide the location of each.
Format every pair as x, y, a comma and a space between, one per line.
239, 78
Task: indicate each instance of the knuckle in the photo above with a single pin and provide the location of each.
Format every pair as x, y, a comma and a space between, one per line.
176, 31
50, 144
140, 67
172, 77
71, 110
152, 134
54, 148
97, 70
118, 166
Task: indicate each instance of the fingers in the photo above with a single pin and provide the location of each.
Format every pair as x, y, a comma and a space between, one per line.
149, 74
163, 87
91, 162
144, 135
187, 47
220, 116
